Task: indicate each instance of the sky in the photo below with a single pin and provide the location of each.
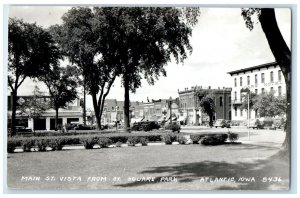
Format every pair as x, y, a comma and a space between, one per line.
221, 43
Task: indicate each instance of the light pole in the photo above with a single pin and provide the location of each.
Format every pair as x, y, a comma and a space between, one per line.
170, 106
248, 92
117, 118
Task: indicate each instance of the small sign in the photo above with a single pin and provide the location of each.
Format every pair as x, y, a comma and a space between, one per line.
20, 101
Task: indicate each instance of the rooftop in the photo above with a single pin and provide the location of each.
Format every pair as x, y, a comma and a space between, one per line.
244, 70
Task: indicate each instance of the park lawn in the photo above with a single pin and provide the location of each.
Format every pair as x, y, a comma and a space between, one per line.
165, 167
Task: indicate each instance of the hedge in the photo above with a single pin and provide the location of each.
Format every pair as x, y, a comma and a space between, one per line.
104, 140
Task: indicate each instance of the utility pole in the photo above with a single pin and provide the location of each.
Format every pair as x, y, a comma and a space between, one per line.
84, 102
170, 105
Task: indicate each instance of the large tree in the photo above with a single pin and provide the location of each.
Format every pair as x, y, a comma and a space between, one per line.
207, 104
30, 52
281, 53
62, 83
148, 38
252, 100
88, 38
269, 105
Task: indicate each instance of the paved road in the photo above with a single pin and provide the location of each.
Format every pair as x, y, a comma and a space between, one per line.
245, 135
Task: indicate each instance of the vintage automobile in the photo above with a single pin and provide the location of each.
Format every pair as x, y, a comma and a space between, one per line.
23, 129
220, 123
20, 130
228, 123
256, 124
83, 127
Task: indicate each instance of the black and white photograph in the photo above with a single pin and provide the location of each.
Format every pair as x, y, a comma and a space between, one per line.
148, 98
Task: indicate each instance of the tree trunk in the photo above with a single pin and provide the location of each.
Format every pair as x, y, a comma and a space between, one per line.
126, 104
56, 118
96, 110
210, 120
13, 113
282, 55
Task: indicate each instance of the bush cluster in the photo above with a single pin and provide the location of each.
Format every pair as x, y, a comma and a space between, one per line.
214, 139
174, 127
169, 138
132, 141
182, 140
232, 137
87, 140
105, 140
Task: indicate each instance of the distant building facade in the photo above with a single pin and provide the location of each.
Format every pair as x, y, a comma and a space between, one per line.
157, 110
258, 79
72, 113
190, 110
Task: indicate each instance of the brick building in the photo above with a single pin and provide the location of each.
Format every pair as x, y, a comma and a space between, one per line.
190, 110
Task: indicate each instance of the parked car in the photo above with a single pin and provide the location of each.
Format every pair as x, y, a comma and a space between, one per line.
83, 127
256, 124
220, 123
23, 129
228, 123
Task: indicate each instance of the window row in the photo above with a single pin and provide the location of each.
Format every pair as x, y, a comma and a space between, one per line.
263, 91
262, 76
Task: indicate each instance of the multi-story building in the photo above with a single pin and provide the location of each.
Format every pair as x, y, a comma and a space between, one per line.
258, 79
190, 109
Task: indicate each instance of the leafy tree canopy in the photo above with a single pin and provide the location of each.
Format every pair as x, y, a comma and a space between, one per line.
30, 51
62, 83
269, 105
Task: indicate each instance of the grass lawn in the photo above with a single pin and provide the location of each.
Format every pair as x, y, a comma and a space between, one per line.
176, 167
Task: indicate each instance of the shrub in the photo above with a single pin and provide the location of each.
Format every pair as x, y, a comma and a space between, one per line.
214, 139
12, 143
174, 127
27, 144
169, 138
57, 143
89, 142
233, 137
143, 141
118, 144
104, 142
42, 144
132, 141
196, 138
182, 140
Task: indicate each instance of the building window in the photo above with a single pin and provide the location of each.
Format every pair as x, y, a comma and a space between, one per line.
229, 100
271, 90
272, 76
262, 90
221, 101
279, 91
256, 91
248, 80
235, 111
235, 83
241, 81
256, 81
279, 75
262, 77
241, 112
112, 108
235, 96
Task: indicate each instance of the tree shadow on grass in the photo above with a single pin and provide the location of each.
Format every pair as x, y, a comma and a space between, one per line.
195, 172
